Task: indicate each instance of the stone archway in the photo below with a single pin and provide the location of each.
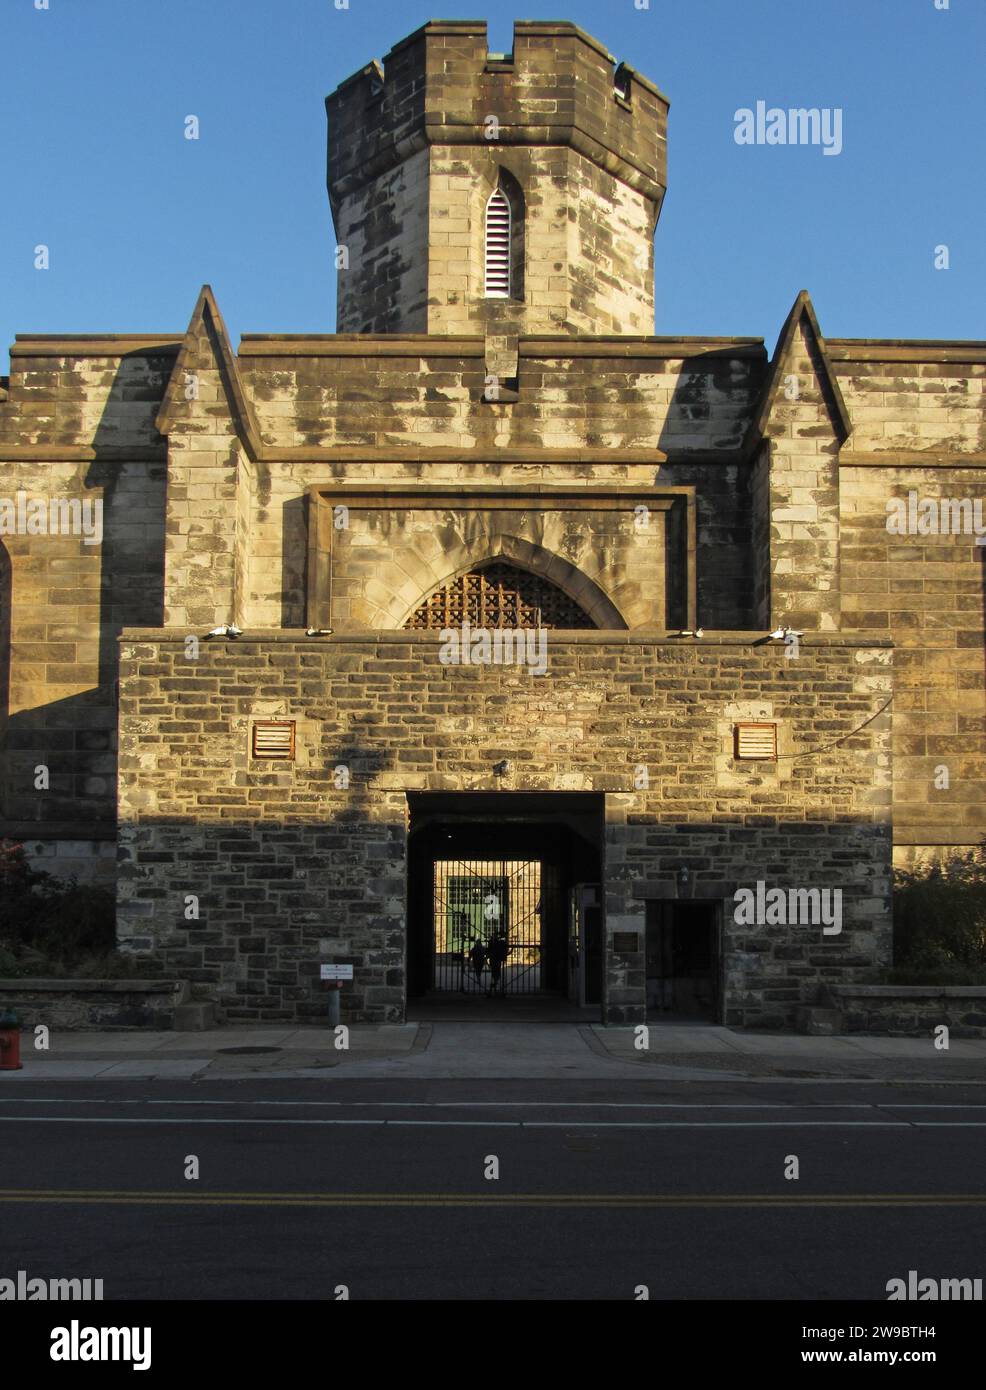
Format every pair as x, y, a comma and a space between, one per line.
460, 560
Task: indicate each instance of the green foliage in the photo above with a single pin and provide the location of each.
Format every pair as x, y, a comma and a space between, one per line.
77, 921
48, 925
940, 920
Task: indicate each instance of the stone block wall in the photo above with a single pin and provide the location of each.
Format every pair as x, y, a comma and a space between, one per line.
919, 414
587, 243
286, 866
910, 1010
803, 493
93, 1005
78, 448
399, 411
79, 423
383, 250
667, 396
88, 860
91, 389
927, 592
913, 397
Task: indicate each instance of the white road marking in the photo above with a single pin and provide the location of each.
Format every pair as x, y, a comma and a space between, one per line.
466, 1104
492, 1124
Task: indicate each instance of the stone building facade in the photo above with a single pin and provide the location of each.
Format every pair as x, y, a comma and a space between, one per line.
494, 440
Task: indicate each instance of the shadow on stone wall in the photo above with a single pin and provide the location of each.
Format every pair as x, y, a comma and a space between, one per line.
294, 562
982, 562
724, 497
268, 893
6, 583
274, 898
75, 737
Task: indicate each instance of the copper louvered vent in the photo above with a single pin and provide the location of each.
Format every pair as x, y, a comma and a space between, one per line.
499, 596
497, 246
756, 742
273, 738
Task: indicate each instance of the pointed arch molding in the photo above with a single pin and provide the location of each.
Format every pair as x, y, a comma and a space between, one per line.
375, 554
583, 591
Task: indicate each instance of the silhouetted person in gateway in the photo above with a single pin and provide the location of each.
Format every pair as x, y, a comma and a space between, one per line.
477, 956
498, 952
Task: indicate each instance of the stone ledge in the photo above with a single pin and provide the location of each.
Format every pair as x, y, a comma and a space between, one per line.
31, 984
83, 1005
557, 636
901, 1010
843, 992
81, 453
903, 461
665, 348
906, 349
93, 344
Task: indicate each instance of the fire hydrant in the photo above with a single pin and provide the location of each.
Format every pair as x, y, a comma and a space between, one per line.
10, 1041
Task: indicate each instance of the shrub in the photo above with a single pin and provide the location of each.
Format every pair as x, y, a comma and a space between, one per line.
76, 922
940, 918
44, 919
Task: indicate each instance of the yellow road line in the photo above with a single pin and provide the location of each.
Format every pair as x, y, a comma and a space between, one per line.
668, 1201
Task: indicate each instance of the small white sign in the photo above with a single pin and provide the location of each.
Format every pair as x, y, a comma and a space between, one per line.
336, 972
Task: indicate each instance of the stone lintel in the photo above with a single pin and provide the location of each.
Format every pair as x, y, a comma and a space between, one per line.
637, 637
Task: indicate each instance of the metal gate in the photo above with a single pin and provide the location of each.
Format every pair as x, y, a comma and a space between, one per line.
488, 926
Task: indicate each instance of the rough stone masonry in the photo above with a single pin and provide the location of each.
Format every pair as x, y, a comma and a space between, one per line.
495, 434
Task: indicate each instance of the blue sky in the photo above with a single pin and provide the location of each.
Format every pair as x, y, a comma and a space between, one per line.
94, 95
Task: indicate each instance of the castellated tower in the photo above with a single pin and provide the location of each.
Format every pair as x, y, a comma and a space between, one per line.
484, 193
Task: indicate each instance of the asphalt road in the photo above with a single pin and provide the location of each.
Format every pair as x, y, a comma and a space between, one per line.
305, 1186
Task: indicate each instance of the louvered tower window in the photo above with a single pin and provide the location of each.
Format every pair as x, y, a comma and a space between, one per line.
497, 246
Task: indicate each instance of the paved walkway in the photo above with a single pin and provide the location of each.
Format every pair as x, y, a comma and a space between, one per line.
496, 1050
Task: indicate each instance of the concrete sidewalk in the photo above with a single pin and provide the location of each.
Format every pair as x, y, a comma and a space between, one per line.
496, 1050
793, 1056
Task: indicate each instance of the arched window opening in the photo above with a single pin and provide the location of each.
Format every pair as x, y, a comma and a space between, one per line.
498, 595
504, 246
498, 228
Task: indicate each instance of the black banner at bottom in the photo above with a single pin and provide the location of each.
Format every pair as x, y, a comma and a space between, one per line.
177, 1339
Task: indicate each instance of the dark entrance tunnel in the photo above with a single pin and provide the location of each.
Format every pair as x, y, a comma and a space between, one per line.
497, 875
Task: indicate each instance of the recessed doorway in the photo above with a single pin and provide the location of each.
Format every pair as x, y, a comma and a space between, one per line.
681, 960
494, 886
